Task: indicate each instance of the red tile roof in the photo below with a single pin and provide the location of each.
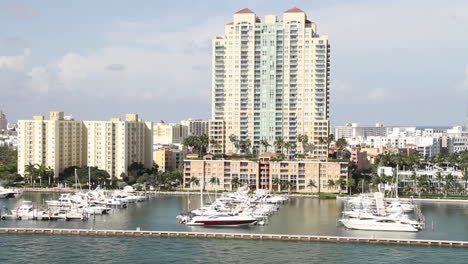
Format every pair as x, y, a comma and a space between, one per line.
294, 10
231, 23
245, 11
268, 154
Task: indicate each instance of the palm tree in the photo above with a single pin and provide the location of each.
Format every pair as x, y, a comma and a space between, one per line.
341, 183
194, 181
265, 144
214, 181
279, 143
341, 143
311, 185
303, 139
288, 184
235, 182
203, 143
331, 184
439, 178
276, 181
350, 184
287, 145
31, 172
465, 178
234, 141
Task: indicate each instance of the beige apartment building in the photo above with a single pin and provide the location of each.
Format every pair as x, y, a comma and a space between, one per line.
109, 145
262, 174
114, 145
56, 142
270, 79
166, 134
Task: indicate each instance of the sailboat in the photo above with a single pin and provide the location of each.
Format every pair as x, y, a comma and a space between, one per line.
220, 220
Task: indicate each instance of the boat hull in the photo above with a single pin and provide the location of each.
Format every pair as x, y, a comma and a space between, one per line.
372, 226
222, 223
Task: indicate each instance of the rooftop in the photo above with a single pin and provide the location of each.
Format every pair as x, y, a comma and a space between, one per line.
245, 11
294, 10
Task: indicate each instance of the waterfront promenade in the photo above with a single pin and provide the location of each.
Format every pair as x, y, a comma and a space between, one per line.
245, 236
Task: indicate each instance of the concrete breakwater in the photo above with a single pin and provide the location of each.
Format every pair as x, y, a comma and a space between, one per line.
208, 235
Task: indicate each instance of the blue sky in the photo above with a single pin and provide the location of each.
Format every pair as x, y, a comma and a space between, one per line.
394, 62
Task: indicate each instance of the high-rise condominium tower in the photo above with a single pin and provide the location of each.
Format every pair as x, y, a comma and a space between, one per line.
270, 80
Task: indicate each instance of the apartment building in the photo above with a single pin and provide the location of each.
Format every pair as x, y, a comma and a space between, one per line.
165, 134
109, 145
270, 79
196, 127
56, 142
114, 145
262, 174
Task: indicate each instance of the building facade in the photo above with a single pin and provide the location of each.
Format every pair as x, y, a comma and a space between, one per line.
108, 145
3, 121
166, 134
262, 174
56, 142
270, 79
196, 127
114, 145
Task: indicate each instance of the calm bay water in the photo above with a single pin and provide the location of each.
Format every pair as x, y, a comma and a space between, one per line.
299, 216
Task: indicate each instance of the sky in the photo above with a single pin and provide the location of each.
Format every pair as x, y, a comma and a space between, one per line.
399, 62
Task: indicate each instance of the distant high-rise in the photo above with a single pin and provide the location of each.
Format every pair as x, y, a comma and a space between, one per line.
270, 80
196, 127
3, 121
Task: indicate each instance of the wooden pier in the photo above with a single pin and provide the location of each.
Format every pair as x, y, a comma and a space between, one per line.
245, 236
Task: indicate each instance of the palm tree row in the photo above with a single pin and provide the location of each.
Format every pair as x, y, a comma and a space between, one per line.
41, 171
198, 144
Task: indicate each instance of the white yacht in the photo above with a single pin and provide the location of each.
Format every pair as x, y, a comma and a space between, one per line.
219, 220
382, 224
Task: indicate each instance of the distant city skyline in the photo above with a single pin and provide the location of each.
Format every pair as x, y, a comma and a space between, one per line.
397, 63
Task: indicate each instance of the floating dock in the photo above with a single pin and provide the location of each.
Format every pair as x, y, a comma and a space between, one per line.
245, 236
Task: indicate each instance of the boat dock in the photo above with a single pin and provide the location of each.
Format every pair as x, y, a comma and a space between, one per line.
245, 236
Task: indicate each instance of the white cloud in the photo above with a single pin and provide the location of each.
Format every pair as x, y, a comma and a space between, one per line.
16, 63
376, 94
40, 79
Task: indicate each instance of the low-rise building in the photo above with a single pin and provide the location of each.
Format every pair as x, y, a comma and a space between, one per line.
264, 173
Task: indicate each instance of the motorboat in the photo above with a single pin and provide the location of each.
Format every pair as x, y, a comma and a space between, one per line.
219, 220
382, 224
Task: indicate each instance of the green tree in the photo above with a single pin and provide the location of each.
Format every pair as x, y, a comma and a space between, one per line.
287, 145
311, 185
265, 144
351, 183
194, 181
276, 181
288, 185
330, 184
340, 182
235, 182
341, 143
279, 143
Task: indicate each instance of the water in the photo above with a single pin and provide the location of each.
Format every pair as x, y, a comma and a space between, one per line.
299, 216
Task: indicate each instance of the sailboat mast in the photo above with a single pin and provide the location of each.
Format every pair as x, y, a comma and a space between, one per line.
201, 192
89, 178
